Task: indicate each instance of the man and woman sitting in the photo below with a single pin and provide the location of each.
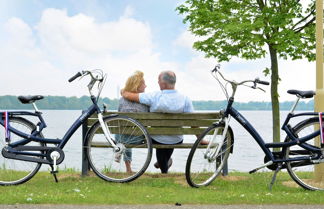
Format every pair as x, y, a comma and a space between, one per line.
167, 100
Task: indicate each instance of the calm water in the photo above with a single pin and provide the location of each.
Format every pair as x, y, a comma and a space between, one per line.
247, 155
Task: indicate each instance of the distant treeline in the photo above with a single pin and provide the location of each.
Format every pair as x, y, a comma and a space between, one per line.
75, 103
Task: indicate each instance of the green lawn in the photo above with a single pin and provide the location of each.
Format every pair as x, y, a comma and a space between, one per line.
237, 188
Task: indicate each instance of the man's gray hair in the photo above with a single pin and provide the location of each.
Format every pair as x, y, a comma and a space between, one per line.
169, 77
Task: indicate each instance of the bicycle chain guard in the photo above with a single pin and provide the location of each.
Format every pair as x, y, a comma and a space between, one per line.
18, 154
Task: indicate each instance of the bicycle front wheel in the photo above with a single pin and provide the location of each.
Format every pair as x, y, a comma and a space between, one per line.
134, 157
13, 171
305, 173
205, 163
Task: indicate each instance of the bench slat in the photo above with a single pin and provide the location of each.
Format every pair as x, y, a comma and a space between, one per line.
159, 131
166, 116
175, 122
160, 146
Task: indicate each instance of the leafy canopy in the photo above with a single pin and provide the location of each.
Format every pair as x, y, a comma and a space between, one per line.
243, 28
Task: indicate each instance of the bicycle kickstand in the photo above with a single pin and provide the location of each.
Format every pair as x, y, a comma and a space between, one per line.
54, 172
275, 176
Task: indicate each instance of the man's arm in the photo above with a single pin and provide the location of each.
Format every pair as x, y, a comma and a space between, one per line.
130, 96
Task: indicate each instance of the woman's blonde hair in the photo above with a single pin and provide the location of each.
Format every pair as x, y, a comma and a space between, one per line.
134, 81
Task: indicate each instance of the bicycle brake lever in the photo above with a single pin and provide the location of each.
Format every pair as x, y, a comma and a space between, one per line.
261, 89
84, 73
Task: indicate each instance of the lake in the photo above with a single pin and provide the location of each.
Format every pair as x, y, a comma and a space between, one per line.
247, 155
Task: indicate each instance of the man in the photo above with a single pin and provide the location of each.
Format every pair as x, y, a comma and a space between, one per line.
168, 100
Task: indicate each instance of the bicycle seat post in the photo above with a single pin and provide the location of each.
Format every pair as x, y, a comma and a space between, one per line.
35, 107
294, 106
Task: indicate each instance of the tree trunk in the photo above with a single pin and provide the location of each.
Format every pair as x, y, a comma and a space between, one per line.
275, 95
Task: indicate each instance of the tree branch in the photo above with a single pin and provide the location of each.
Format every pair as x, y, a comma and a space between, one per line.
297, 30
261, 4
304, 19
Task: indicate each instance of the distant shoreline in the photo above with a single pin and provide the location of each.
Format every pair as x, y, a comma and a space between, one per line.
80, 103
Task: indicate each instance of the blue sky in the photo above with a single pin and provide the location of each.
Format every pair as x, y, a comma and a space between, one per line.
44, 42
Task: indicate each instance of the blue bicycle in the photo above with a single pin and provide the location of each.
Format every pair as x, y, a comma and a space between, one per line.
24, 147
301, 153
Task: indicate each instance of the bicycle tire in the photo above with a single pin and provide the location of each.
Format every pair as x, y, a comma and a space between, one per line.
127, 132
201, 171
13, 172
303, 172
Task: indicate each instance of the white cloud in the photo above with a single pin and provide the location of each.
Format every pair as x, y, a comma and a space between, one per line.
82, 33
38, 59
60, 45
185, 39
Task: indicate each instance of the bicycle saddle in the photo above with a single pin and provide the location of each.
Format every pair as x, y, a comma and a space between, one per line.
29, 99
302, 94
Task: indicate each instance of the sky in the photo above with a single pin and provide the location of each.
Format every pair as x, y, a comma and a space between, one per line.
44, 43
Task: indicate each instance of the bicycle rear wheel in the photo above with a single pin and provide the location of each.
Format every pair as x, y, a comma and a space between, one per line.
136, 147
13, 171
305, 173
201, 170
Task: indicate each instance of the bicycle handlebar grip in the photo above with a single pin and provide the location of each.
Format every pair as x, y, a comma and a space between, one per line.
263, 82
74, 77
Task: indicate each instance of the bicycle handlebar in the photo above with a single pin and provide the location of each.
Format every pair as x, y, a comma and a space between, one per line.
96, 75
255, 81
235, 84
262, 82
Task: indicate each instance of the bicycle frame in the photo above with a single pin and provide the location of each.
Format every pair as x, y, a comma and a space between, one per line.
286, 127
60, 143
295, 140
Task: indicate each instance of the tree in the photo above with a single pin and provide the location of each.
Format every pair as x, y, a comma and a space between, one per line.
249, 29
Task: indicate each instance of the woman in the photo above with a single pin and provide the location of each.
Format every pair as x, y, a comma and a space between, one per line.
135, 83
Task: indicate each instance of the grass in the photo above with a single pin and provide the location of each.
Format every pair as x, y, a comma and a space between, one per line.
237, 188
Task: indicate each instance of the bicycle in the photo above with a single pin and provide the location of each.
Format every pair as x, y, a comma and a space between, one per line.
301, 153
25, 149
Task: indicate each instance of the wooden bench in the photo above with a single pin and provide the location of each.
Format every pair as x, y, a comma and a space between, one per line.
164, 124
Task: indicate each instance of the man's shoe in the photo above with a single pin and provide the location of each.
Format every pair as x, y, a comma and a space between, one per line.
156, 164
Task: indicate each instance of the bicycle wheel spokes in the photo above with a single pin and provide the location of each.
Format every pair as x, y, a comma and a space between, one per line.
306, 173
205, 164
16, 171
135, 155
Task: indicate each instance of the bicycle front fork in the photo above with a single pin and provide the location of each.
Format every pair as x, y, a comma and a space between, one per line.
107, 133
212, 155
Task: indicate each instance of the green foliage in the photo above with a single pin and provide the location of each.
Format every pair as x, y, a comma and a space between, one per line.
246, 28
232, 28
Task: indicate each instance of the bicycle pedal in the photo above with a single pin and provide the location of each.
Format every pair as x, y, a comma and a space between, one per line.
253, 171
54, 172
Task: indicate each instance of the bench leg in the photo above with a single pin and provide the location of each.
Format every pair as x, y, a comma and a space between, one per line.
85, 163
